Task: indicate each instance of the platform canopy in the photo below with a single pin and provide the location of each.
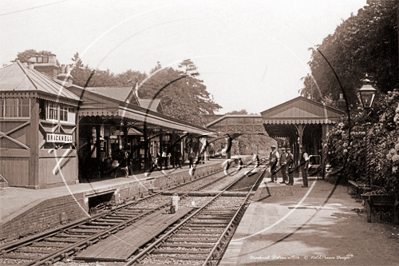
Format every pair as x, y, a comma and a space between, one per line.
285, 119
105, 107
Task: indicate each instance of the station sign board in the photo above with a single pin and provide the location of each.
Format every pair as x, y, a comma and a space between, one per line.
58, 138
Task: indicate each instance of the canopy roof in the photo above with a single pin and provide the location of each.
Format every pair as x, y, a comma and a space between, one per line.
126, 94
95, 104
301, 111
118, 93
18, 79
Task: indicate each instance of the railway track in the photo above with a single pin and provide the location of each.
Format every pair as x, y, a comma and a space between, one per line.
201, 238
61, 243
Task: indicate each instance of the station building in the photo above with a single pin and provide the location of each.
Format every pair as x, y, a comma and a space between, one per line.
53, 132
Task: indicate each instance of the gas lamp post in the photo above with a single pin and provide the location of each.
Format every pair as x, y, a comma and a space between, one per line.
367, 95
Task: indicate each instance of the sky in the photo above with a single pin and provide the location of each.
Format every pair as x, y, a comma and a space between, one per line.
250, 54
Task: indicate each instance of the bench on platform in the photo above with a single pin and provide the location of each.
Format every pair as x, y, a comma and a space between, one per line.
373, 201
356, 189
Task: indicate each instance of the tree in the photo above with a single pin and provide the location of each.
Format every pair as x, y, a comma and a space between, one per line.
186, 99
79, 72
189, 67
363, 44
24, 56
99, 78
130, 78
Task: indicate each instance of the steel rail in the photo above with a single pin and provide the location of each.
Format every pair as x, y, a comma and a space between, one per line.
87, 241
213, 182
75, 247
162, 239
37, 237
29, 240
231, 223
92, 239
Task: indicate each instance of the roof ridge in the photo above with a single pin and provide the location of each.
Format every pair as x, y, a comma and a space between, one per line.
26, 74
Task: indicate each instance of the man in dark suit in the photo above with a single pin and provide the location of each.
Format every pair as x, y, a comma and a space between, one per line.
274, 160
283, 165
290, 165
304, 166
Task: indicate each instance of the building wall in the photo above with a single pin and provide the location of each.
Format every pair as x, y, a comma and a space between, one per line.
15, 149
50, 175
27, 159
57, 162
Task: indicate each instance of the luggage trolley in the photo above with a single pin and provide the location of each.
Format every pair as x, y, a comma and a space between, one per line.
315, 165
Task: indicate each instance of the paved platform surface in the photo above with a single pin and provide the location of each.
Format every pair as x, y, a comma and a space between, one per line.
318, 225
14, 200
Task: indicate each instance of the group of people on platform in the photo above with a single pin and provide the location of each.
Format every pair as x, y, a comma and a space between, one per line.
161, 161
284, 163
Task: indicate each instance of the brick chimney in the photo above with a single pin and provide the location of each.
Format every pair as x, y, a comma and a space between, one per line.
341, 104
46, 64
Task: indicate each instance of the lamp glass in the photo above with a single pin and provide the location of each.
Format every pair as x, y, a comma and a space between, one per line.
367, 95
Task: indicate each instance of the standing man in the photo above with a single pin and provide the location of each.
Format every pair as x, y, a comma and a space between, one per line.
283, 164
290, 165
191, 156
165, 159
304, 166
179, 159
274, 160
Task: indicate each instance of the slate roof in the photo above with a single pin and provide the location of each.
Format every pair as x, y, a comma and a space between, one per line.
123, 93
20, 78
301, 110
118, 93
145, 103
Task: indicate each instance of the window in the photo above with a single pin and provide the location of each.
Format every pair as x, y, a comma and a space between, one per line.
42, 109
11, 107
14, 107
52, 111
71, 115
40, 59
45, 59
23, 108
63, 112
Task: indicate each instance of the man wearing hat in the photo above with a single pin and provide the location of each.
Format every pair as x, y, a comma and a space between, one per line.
290, 165
283, 165
274, 160
304, 166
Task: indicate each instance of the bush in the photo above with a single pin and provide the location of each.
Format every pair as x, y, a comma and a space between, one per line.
381, 125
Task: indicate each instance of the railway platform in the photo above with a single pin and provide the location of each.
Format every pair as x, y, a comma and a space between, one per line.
25, 211
318, 225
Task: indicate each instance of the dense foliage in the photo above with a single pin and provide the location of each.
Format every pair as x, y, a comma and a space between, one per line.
381, 126
366, 43
24, 56
186, 99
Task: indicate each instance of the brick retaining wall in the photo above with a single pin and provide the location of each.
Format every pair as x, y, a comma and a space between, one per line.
47, 214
